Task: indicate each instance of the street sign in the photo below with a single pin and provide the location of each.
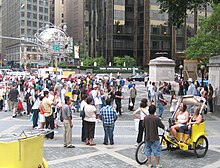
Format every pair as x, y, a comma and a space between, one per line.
56, 54
56, 47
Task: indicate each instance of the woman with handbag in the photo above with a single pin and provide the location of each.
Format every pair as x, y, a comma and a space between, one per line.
140, 113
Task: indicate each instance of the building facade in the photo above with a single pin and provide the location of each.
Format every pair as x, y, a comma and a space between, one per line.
21, 19
132, 27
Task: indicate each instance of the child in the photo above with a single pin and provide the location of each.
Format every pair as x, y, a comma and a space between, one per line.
20, 107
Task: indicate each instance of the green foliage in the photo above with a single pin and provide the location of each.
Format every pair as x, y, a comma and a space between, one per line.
129, 61
207, 41
178, 9
90, 61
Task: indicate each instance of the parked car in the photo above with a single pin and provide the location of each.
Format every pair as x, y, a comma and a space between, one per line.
102, 76
139, 78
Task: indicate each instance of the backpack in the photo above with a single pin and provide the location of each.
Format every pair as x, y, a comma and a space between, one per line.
28, 94
82, 113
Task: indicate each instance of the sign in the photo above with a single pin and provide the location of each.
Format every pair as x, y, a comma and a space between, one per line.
56, 54
56, 47
76, 52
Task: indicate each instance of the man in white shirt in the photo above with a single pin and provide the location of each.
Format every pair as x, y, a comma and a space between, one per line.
95, 93
63, 93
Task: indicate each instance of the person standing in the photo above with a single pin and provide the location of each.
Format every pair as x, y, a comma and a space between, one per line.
36, 108
48, 113
13, 97
160, 101
118, 97
6, 99
89, 121
133, 94
210, 97
82, 114
96, 95
63, 93
108, 115
68, 125
142, 111
151, 124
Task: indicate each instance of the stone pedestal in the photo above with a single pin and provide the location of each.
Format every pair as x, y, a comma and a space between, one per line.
214, 79
161, 69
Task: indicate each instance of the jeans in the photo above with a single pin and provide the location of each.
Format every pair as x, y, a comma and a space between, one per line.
35, 117
109, 129
161, 109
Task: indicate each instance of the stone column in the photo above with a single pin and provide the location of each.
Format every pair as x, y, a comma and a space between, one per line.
214, 79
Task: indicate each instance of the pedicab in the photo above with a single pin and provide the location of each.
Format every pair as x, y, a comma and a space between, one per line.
22, 151
197, 142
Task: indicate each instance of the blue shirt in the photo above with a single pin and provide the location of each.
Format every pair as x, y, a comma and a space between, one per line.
108, 113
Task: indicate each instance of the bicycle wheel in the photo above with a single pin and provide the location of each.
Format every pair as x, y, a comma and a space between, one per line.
140, 155
164, 145
201, 146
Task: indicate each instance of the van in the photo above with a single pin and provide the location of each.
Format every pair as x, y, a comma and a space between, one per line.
45, 72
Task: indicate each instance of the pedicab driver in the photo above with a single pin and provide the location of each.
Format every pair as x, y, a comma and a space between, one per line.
151, 124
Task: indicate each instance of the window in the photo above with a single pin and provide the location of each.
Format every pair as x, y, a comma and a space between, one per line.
34, 24
28, 6
155, 44
28, 14
41, 9
45, 10
34, 15
22, 22
45, 18
34, 7
22, 14
29, 23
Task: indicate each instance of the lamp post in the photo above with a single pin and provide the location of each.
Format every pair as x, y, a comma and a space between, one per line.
181, 71
202, 71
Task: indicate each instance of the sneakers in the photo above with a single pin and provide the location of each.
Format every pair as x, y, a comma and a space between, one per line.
70, 146
136, 144
150, 166
158, 166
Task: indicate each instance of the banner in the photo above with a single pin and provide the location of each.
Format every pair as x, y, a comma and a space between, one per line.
76, 52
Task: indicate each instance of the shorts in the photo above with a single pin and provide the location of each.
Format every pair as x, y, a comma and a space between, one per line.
185, 129
41, 118
153, 146
14, 104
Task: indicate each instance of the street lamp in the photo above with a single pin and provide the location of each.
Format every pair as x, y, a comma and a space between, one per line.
202, 71
181, 71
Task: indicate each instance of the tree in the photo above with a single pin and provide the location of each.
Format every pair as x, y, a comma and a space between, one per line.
207, 41
179, 9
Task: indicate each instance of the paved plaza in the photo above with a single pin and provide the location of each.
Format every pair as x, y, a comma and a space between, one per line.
122, 153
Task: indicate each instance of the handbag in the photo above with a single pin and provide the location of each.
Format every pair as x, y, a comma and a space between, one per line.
82, 113
163, 103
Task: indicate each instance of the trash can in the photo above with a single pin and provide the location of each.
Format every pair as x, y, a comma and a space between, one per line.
136, 124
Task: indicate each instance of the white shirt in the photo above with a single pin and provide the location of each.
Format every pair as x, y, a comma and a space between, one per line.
63, 93
82, 105
96, 98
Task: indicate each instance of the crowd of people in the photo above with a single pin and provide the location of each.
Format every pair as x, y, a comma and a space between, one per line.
93, 99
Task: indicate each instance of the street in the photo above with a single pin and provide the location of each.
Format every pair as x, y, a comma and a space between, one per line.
122, 153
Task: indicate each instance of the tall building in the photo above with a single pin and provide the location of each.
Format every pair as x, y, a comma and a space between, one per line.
58, 12
132, 27
74, 19
21, 19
